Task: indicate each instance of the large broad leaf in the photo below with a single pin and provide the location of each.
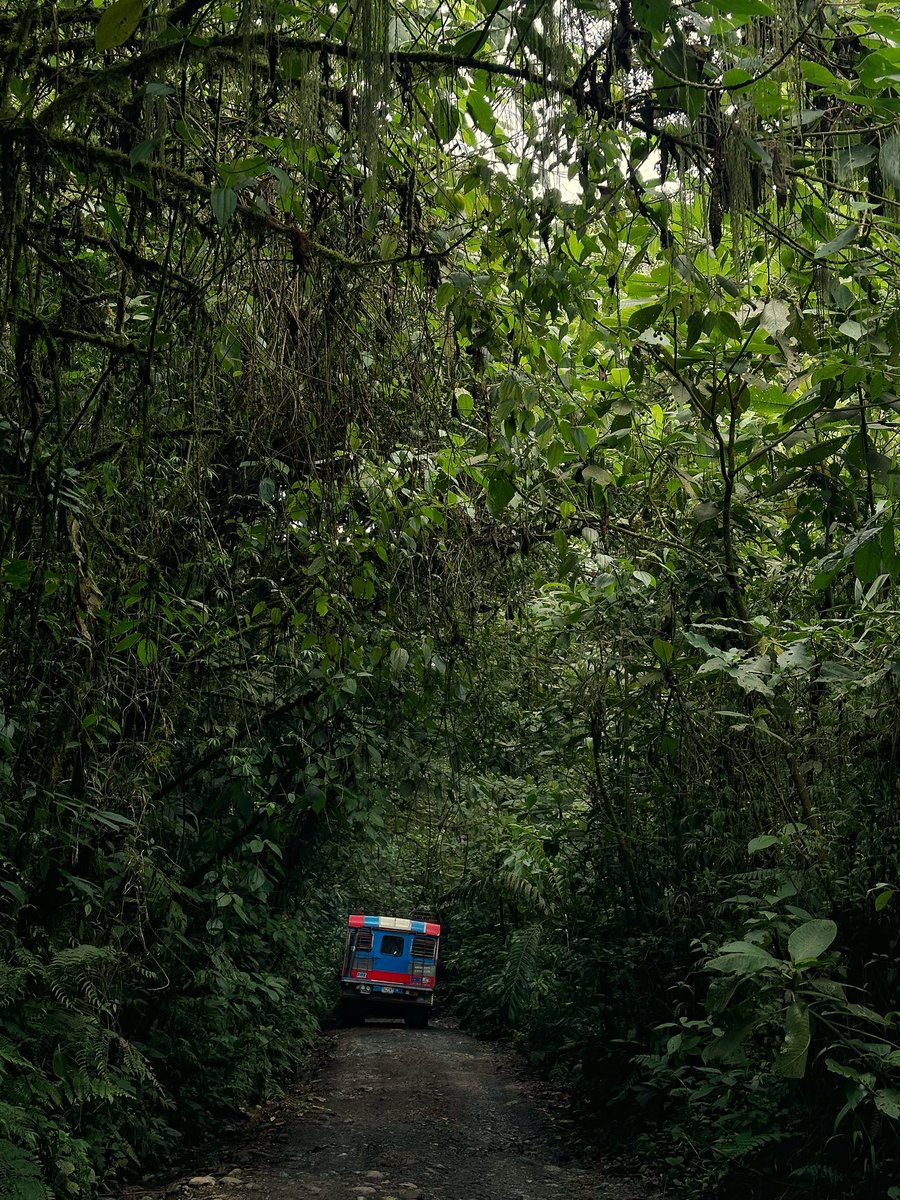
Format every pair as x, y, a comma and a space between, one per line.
762, 843
729, 1043
14, 890
845, 238
224, 203
815, 73
118, 23
480, 111
446, 119
651, 14
775, 317
867, 561
743, 8
889, 159
742, 963
746, 948
500, 492
791, 1060
818, 453
811, 939
852, 158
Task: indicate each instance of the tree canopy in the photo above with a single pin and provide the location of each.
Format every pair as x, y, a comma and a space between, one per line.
448, 460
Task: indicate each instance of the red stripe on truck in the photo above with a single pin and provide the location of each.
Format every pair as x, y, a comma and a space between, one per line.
393, 977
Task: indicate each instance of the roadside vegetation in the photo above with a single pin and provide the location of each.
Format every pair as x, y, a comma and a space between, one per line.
448, 460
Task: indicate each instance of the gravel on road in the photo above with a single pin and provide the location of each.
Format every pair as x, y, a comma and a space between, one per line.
401, 1114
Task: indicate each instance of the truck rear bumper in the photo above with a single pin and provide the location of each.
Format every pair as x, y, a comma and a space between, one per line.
374, 997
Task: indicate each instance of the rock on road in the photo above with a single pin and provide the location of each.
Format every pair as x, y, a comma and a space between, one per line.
401, 1114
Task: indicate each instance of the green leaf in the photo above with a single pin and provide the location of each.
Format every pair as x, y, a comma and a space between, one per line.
446, 120
500, 492
142, 151
481, 112
735, 77
844, 239
118, 23
849, 159
663, 650
14, 890
887, 1101
241, 171
815, 73
580, 441
651, 15
742, 964
316, 797
791, 1060
819, 452
742, 947
867, 560
643, 318
224, 203
876, 69
16, 573
399, 659
127, 642
884, 23
866, 1014
762, 843
465, 46
727, 323
851, 329
743, 8
112, 818
811, 939
594, 473
146, 651
889, 159
729, 1043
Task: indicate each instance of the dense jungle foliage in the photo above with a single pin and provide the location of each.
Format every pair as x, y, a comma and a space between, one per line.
448, 460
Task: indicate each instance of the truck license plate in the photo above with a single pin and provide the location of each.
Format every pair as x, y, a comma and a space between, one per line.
388, 991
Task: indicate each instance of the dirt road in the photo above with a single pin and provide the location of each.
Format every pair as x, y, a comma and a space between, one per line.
400, 1114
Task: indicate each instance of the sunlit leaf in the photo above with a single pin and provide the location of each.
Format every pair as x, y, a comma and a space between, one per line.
811, 939
791, 1060
118, 23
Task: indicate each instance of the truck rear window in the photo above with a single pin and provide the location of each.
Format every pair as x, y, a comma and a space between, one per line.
392, 943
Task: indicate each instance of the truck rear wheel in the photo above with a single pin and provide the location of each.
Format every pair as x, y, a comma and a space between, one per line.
416, 1018
352, 1013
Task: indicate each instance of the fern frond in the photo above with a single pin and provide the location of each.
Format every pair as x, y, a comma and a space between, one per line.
20, 1175
519, 971
10, 1056
16, 1122
81, 973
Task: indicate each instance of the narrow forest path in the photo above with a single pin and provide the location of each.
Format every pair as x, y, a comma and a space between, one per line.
400, 1114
